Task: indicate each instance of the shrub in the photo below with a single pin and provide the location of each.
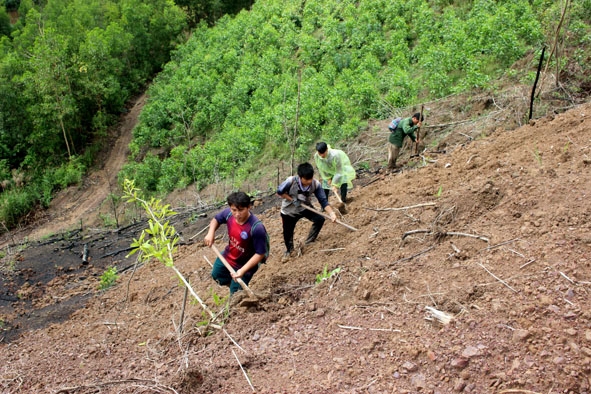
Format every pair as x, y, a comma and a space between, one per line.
16, 203
108, 278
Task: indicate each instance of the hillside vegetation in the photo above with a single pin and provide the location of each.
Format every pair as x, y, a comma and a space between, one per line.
67, 69
262, 85
268, 83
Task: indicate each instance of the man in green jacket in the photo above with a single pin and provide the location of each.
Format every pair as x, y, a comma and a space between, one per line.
335, 169
406, 127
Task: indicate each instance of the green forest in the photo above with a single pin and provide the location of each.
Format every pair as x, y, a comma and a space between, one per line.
233, 85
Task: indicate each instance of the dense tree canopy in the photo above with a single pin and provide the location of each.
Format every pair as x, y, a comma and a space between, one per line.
66, 70
288, 73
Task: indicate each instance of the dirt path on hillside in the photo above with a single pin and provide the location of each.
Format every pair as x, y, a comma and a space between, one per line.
78, 207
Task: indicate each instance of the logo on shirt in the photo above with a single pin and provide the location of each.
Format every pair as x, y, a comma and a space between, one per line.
244, 235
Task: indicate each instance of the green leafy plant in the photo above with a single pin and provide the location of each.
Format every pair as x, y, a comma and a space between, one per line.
7, 265
363, 165
217, 299
221, 316
108, 278
325, 274
159, 241
439, 191
108, 220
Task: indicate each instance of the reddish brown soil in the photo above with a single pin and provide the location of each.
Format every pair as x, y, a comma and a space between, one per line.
494, 230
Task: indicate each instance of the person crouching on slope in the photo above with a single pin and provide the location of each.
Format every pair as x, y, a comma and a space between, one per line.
406, 127
248, 242
335, 169
296, 192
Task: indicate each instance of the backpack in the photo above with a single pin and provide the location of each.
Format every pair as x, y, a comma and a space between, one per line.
394, 124
268, 241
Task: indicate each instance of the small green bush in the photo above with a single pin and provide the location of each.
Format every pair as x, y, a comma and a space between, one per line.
16, 203
69, 173
109, 278
325, 274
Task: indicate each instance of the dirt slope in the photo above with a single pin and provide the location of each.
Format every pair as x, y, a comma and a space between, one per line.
494, 233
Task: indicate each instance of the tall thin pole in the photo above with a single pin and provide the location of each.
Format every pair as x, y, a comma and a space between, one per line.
533, 91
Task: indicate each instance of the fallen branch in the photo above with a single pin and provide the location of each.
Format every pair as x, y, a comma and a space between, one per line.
480, 237
566, 277
455, 248
501, 244
438, 126
296, 289
193, 293
116, 252
528, 263
369, 329
208, 262
497, 278
412, 257
331, 250
85, 254
377, 178
517, 253
411, 232
243, 371
154, 384
231, 339
107, 323
427, 204
449, 233
426, 159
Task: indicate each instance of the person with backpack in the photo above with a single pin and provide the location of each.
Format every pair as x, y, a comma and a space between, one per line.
248, 244
335, 169
400, 128
296, 192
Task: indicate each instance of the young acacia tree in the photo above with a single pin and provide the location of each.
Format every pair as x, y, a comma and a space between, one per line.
160, 239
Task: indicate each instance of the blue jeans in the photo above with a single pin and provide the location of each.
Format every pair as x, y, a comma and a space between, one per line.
220, 274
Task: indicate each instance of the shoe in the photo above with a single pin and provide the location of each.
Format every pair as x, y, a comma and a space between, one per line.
286, 256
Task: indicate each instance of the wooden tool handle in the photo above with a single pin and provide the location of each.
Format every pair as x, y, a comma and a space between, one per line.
334, 190
229, 267
328, 217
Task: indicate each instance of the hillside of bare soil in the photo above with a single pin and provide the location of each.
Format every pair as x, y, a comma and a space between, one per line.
489, 227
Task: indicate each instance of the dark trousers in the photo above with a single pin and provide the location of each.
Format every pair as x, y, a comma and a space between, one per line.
343, 192
289, 223
220, 274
